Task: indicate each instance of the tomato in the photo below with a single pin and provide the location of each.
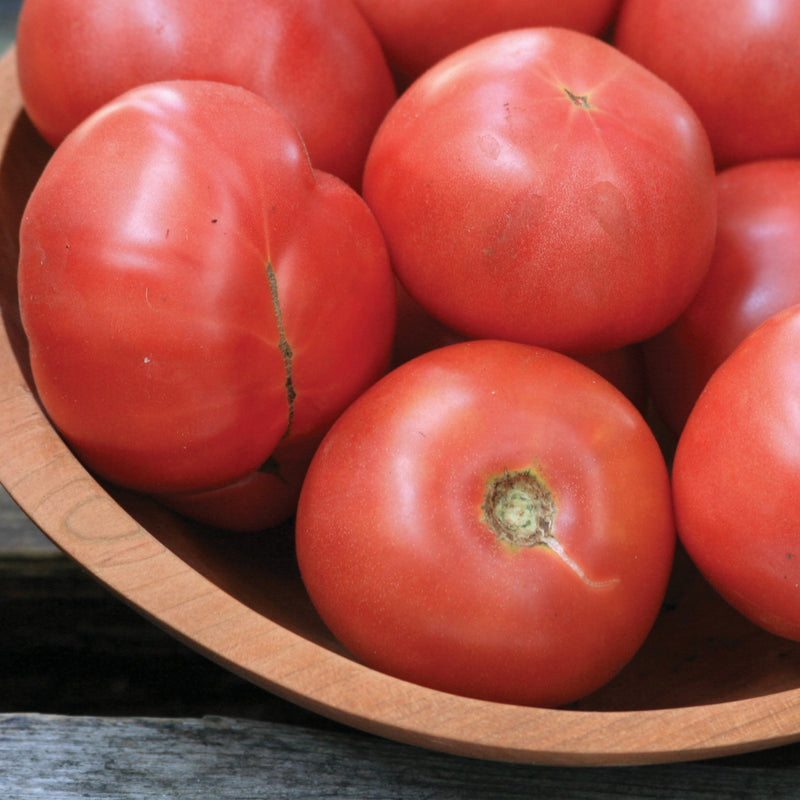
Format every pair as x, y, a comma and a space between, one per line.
736, 63
318, 61
541, 187
754, 272
193, 292
448, 25
490, 519
736, 477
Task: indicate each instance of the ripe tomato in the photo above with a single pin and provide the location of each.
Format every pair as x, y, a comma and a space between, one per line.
736, 477
193, 292
541, 187
736, 63
754, 272
490, 519
447, 25
317, 61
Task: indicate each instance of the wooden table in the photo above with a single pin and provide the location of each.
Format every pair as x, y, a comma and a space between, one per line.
97, 702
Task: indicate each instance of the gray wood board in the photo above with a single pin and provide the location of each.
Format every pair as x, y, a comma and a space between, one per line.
62, 758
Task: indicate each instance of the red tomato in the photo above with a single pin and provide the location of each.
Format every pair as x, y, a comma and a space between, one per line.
736, 477
735, 61
193, 292
490, 519
754, 272
541, 187
417, 33
317, 61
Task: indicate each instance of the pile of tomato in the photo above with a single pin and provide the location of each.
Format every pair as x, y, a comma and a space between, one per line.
424, 277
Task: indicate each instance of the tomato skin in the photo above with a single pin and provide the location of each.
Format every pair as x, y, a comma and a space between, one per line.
193, 292
75, 55
451, 24
399, 562
736, 477
513, 211
754, 273
736, 63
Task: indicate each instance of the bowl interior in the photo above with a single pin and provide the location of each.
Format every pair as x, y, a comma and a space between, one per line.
240, 600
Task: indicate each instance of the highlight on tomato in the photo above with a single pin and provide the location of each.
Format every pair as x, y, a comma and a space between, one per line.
490, 519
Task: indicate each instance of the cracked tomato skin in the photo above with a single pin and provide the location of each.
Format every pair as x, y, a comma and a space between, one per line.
736, 477
317, 61
414, 525
540, 186
195, 294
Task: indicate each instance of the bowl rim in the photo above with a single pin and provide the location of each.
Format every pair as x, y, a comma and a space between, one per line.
85, 522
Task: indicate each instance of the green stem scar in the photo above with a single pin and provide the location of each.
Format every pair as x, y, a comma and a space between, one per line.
283, 344
579, 100
520, 510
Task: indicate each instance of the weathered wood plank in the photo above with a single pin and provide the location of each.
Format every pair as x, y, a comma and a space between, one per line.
62, 758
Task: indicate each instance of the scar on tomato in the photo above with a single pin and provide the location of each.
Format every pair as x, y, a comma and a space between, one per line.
520, 510
579, 100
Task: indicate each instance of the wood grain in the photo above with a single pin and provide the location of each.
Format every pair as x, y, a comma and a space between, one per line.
706, 683
63, 758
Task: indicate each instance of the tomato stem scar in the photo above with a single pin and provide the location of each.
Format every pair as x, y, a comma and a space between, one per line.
283, 345
579, 100
520, 510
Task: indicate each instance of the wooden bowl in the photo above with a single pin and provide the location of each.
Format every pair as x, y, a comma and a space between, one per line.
706, 683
